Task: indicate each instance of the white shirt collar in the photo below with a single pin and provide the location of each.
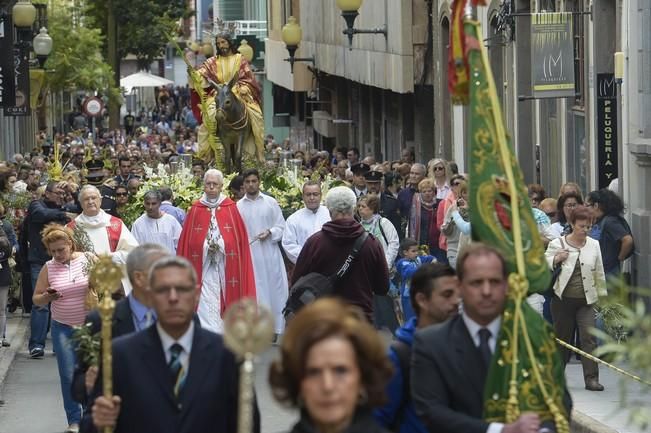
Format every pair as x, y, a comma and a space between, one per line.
185, 340
474, 327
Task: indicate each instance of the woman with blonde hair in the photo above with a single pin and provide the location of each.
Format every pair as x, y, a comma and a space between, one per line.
333, 367
63, 282
439, 171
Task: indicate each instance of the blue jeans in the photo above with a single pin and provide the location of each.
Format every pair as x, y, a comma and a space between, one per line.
64, 348
40, 315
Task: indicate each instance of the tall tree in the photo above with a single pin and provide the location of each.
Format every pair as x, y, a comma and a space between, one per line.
76, 61
142, 28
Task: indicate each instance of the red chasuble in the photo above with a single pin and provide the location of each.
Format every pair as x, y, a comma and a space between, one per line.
240, 282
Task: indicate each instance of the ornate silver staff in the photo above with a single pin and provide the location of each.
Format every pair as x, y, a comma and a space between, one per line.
248, 330
106, 276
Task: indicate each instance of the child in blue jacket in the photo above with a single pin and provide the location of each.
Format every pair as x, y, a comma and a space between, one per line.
405, 267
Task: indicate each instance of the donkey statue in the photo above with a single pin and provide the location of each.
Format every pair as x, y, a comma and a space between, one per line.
232, 124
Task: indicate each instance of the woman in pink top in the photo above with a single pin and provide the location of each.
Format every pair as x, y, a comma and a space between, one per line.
63, 282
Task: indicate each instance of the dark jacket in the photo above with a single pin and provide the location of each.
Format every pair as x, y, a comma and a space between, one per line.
325, 251
122, 325
447, 379
390, 209
363, 422
400, 409
405, 197
141, 377
6, 250
39, 214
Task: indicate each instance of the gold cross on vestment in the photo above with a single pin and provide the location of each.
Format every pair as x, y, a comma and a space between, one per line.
233, 281
231, 253
228, 227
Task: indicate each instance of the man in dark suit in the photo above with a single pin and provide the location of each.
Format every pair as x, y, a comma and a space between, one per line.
131, 314
450, 361
173, 377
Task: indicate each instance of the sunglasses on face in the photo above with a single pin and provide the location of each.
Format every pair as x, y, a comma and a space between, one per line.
438, 168
551, 214
122, 194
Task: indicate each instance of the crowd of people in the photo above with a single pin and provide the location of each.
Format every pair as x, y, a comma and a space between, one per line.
405, 223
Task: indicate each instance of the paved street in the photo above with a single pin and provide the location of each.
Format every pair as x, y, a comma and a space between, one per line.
33, 399
33, 404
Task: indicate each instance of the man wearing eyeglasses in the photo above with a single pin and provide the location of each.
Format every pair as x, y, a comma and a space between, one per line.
39, 214
174, 376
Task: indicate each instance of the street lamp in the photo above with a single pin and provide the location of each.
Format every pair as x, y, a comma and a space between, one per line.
349, 10
246, 50
42, 46
292, 35
23, 15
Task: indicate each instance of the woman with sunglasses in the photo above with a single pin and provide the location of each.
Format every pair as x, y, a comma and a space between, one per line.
121, 199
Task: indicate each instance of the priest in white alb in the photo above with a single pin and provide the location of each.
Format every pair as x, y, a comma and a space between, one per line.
265, 225
101, 233
155, 226
304, 222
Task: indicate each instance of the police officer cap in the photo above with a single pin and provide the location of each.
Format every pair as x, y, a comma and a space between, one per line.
373, 176
360, 168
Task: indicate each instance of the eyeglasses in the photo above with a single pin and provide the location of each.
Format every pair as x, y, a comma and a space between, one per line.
439, 168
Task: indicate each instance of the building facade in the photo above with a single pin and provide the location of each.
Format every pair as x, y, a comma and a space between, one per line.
377, 96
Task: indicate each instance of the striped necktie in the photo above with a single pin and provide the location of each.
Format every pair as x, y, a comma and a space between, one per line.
176, 369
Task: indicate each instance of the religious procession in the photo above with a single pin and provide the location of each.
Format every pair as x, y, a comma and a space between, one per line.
244, 244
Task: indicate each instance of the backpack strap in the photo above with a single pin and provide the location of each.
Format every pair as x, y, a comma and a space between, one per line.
350, 258
379, 223
403, 352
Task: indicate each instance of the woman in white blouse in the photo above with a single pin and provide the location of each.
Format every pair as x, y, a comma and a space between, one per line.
577, 289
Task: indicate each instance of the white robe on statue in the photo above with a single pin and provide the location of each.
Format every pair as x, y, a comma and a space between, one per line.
301, 225
213, 278
261, 214
95, 227
164, 231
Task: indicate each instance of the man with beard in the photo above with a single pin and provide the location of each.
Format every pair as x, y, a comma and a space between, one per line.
230, 67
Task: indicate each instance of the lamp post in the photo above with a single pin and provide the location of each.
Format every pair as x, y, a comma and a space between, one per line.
292, 35
349, 11
24, 14
42, 46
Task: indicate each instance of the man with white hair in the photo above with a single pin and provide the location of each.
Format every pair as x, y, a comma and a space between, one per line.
214, 239
102, 233
326, 250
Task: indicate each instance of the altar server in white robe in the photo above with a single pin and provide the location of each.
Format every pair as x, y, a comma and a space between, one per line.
265, 225
105, 233
155, 226
304, 222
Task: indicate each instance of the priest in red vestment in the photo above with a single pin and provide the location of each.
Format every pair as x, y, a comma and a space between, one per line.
215, 240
